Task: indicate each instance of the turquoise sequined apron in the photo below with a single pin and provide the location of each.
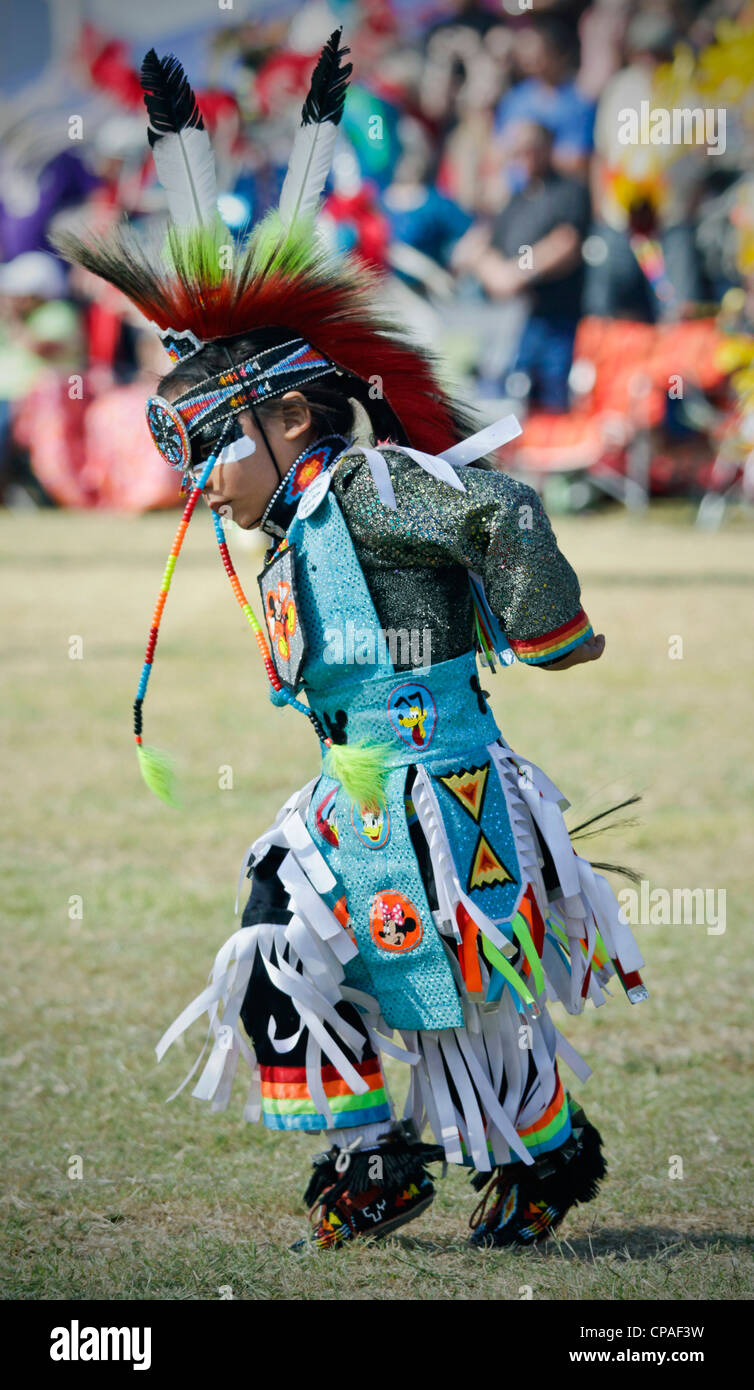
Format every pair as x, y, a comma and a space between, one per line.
436, 717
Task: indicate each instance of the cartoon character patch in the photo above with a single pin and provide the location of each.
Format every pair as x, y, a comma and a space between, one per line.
324, 818
281, 617
394, 922
371, 824
412, 713
287, 640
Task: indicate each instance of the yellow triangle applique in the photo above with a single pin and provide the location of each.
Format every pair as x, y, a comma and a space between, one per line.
486, 868
468, 788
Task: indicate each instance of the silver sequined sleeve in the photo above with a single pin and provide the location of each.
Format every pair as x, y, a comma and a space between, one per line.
497, 527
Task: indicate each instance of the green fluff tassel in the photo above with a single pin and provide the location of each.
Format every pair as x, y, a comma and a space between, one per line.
361, 769
157, 771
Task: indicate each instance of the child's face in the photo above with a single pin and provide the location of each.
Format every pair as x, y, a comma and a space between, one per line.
242, 488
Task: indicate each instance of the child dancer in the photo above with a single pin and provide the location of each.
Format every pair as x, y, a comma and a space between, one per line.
419, 897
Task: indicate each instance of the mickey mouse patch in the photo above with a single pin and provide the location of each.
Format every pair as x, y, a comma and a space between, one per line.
395, 924
277, 586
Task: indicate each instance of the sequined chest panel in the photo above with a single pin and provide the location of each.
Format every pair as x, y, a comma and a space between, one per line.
435, 716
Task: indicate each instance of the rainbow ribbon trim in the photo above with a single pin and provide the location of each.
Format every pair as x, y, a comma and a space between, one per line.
552, 645
551, 1129
549, 1132
287, 1104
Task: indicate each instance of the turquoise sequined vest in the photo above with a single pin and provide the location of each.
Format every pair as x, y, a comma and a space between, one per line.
435, 716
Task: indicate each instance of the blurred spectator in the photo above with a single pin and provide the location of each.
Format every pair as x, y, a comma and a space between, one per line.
417, 214
121, 165
30, 196
95, 449
534, 248
458, 110
351, 217
602, 32
547, 53
371, 125
464, 14
640, 197
39, 330
463, 79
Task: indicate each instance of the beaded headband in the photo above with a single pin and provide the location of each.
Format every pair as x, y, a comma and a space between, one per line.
173, 424
179, 344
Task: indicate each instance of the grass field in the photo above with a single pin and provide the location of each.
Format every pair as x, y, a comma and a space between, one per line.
177, 1202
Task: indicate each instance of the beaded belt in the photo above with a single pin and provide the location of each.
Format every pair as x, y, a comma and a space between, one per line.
417, 716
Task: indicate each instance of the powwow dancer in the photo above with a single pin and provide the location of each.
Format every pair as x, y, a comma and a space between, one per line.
423, 884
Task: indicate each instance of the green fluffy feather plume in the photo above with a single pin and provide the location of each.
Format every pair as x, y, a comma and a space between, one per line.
289, 250
157, 771
204, 254
361, 769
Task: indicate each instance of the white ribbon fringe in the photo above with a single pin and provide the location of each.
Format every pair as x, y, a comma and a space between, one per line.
481, 1061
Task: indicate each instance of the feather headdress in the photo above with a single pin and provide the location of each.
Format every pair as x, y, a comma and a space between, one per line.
204, 285
200, 285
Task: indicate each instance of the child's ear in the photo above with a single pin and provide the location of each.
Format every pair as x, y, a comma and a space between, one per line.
297, 417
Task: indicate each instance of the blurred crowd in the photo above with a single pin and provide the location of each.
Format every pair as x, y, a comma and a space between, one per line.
602, 288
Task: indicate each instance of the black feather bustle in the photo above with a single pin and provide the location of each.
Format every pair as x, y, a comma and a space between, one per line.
169, 97
329, 84
580, 832
579, 1180
623, 869
403, 1162
619, 806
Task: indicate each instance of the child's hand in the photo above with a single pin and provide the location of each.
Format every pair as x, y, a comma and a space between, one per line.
591, 650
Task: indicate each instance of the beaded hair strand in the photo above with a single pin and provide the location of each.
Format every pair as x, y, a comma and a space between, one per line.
256, 628
156, 767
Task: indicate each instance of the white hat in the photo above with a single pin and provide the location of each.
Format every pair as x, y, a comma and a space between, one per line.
119, 137
33, 272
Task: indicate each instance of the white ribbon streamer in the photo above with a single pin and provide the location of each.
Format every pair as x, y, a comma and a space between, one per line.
483, 442
436, 466
572, 1058
381, 476
441, 466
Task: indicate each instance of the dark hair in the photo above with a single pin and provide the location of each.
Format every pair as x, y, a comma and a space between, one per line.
330, 398
559, 34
